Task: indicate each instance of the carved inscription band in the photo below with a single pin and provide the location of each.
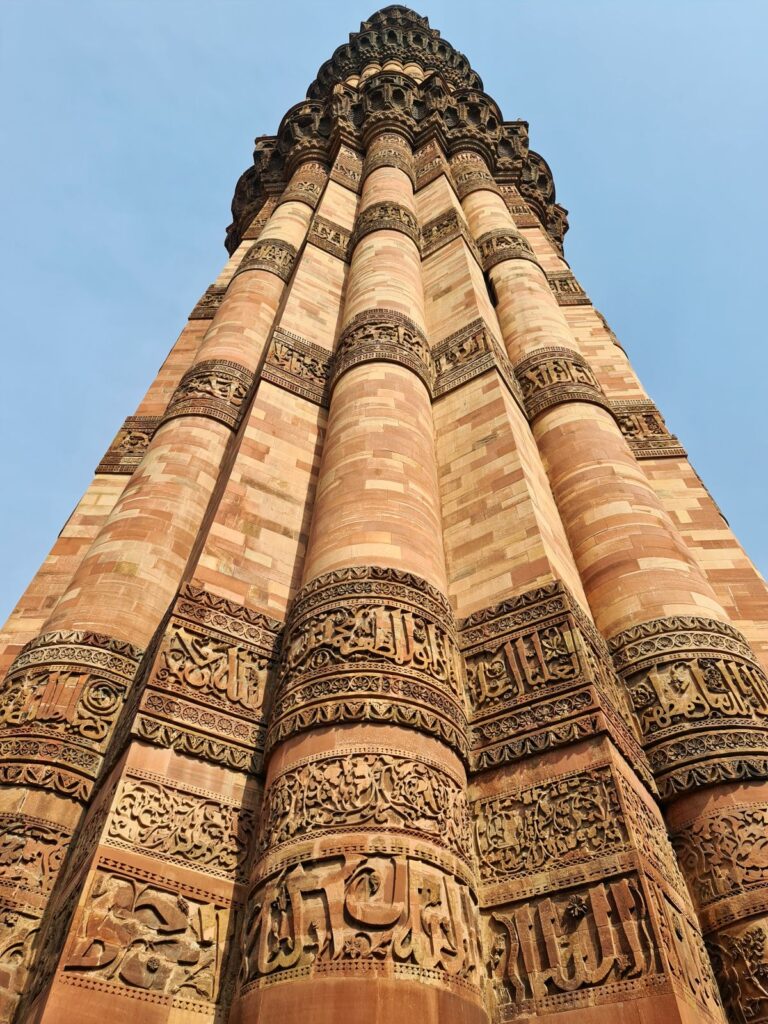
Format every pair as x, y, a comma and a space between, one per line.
700, 698
553, 375
390, 151
497, 246
130, 445
58, 706
270, 254
297, 365
370, 644
216, 388
383, 334
386, 216
208, 304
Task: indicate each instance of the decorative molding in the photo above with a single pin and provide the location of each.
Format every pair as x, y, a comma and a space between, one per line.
330, 237
443, 229
58, 706
31, 853
383, 335
347, 170
215, 388
377, 792
298, 366
645, 430
539, 676
270, 254
130, 445
385, 216
553, 375
368, 911
370, 644
497, 246
467, 354
259, 222
309, 188
700, 699
208, 303
205, 690
470, 174
521, 212
567, 289
390, 150
430, 163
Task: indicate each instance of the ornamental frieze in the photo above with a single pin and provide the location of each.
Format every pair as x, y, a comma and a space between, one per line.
31, 852
643, 426
553, 375
347, 170
258, 223
467, 354
214, 388
471, 177
270, 254
130, 445
18, 936
189, 827
298, 366
58, 705
147, 939
208, 303
430, 163
443, 229
370, 791
309, 188
390, 150
699, 697
330, 237
370, 644
539, 676
208, 679
521, 212
567, 289
496, 246
354, 914
739, 955
383, 335
386, 216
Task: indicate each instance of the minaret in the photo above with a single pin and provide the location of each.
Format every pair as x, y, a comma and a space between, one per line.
396, 665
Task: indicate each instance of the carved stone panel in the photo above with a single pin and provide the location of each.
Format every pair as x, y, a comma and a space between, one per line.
208, 303
383, 335
330, 238
206, 688
386, 216
523, 215
644, 428
309, 188
390, 150
58, 706
700, 698
567, 289
18, 936
347, 169
466, 354
539, 676
130, 445
370, 644
553, 375
298, 366
357, 914
496, 246
368, 791
444, 229
31, 852
216, 388
147, 940
739, 955
270, 254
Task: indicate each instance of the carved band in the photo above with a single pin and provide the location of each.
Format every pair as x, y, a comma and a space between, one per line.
206, 686
208, 303
444, 229
386, 216
390, 151
383, 335
309, 189
429, 167
298, 366
270, 254
700, 699
130, 445
216, 388
347, 170
567, 289
370, 644
58, 705
467, 354
553, 375
471, 177
496, 246
330, 237
539, 676
644, 428
522, 214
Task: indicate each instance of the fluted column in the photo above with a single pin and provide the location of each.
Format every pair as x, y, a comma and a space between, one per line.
64, 692
699, 696
362, 895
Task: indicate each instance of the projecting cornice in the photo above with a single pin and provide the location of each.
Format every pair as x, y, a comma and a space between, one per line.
458, 118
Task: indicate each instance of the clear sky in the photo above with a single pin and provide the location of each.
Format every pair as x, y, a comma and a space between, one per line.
126, 124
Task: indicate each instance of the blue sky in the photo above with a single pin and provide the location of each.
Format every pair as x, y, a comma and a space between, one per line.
126, 124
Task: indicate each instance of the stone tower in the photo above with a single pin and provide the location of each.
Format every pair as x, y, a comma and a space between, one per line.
396, 666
